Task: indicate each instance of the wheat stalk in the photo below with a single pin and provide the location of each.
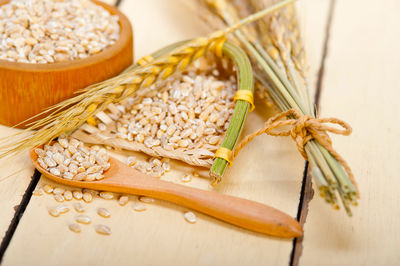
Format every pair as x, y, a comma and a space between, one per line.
274, 44
70, 114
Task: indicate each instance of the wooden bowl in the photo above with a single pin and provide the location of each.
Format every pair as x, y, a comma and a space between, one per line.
28, 89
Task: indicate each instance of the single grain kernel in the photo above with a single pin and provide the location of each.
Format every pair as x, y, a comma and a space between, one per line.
76, 228
77, 194
146, 199
59, 197
79, 207
87, 197
58, 190
123, 200
38, 192
106, 195
54, 212
48, 189
139, 207
131, 161
103, 229
83, 219
190, 217
63, 209
186, 178
103, 212
68, 195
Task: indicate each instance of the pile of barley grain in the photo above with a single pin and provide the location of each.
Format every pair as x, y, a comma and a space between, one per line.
44, 31
71, 159
190, 112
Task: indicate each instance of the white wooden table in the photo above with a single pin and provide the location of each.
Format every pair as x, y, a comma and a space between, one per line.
353, 54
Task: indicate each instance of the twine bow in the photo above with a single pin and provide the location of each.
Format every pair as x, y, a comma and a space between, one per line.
302, 129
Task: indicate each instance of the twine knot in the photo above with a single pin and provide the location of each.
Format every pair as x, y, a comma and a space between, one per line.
302, 129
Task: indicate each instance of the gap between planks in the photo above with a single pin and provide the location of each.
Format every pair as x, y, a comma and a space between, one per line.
307, 192
19, 209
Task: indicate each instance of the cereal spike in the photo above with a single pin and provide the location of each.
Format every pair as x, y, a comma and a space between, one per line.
71, 113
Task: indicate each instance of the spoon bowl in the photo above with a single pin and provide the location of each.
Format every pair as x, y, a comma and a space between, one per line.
245, 213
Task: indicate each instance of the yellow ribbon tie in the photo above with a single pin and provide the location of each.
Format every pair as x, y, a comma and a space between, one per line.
245, 95
225, 154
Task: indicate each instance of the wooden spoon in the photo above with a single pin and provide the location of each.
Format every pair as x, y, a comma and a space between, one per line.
248, 214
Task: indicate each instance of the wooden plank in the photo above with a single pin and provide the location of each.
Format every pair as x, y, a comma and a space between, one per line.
15, 177
160, 235
361, 86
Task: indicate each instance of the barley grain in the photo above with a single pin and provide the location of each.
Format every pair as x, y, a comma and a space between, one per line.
63, 209
103, 229
48, 188
106, 195
83, 219
87, 197
131, 161
146, 199
139, 207
68, 195
123, 200
79, 207
76, 228
103, 212
190, 217
186, 178
38, 192
59, 197
54, 212
58, 190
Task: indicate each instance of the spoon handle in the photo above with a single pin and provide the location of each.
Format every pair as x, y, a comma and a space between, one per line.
241, 212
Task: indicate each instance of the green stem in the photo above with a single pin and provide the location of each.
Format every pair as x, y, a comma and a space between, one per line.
245, 82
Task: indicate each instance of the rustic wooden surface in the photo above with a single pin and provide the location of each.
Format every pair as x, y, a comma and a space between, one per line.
359, 55
361, 86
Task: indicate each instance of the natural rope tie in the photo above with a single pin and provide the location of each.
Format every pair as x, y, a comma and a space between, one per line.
302, 129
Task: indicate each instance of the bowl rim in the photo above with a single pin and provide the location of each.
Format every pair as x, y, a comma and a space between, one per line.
124, 37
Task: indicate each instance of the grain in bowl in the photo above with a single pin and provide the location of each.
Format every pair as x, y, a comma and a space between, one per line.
37, 31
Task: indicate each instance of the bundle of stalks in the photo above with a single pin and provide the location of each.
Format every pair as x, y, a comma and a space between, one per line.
277, 53
69, 115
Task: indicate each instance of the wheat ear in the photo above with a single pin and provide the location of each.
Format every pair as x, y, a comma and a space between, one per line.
70, 114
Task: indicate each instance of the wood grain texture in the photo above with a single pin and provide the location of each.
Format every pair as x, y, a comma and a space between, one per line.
48, 84
361, 86
160, 235
15, 176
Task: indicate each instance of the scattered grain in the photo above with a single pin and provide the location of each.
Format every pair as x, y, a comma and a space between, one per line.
76, 228
103, 212
38, 192
106, 195
123, 200
63, 209
48, 189
146, 199
190, 217
83, 219
68, 195
59, 197
77, 194
139, 207
79, 207
186, 178
103, 229
87, 197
